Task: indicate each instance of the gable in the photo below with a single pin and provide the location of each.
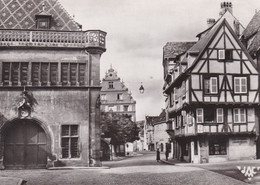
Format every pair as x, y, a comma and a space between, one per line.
223, 38
20, 14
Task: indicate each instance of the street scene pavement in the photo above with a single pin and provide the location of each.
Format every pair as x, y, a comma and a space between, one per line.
139, 169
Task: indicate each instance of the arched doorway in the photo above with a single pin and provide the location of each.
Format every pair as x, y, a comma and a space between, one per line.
25, 145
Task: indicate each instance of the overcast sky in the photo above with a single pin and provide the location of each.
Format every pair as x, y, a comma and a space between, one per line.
137, 30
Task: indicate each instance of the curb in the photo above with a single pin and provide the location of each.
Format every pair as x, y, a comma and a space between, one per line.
167, 162
78, 168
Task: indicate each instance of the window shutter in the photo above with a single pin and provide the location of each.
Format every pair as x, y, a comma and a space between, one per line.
24, 73
73, 74
35, 73
64, 74
221, 54
243, 85
214, 85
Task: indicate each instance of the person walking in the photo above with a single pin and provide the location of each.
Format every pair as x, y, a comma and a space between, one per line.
158, 155
166, 155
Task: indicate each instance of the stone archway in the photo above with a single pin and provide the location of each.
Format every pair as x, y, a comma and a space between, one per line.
26, 145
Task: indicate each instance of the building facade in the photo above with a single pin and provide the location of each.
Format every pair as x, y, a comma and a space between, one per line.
50, 86
115, 96
213, 95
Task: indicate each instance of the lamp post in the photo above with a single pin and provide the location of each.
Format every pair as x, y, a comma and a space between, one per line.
141, 89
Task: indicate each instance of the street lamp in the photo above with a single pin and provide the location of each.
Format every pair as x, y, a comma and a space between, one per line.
141, 89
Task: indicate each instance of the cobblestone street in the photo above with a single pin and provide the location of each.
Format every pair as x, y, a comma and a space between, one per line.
141, 169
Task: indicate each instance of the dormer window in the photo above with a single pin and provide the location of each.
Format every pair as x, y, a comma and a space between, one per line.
43, 24
43, 19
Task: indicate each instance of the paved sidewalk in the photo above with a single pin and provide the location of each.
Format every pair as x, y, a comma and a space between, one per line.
249, 171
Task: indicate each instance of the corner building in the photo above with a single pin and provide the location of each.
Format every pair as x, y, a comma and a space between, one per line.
49, 87
213, 95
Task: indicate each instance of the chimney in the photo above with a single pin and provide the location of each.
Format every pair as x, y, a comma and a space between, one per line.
210, 22
225, 6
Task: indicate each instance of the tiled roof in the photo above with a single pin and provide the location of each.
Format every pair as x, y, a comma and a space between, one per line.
253, 26
20, 14
172, 49
254, 45
151, 120
198, 47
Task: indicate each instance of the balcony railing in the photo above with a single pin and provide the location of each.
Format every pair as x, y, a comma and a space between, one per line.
48, 38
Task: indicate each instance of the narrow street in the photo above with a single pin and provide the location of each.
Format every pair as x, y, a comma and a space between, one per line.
141, 169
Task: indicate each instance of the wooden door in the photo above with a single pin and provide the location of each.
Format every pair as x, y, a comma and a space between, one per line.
25, 146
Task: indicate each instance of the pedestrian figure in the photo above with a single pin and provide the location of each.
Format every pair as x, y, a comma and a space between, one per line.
166, 155
158, 155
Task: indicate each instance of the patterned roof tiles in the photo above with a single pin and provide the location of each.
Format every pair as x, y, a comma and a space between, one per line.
20, 14
253, 26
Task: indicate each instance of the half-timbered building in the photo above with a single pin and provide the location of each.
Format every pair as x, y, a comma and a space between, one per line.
213, 98
50, 86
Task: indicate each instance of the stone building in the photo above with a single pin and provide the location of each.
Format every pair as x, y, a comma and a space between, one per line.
156, 132
213, 95
50, 86
115, 96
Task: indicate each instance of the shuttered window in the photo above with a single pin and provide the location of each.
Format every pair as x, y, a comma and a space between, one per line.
35, 73
44, 73
69, 141
54, 73
64, 73
24, 73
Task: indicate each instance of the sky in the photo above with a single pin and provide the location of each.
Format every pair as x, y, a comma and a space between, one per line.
137, 30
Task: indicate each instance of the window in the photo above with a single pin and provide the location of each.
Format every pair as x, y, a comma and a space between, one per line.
64, 73
24, 73
220, 118
199, 115
44, 73
209, 115
225, 55
239, 115
43, 22
228, 54
69, 141
240, 84
15, 73
126, 108
6, 73
54, 73
35, 73
73, 74
82, 69
217, 146
103, 97
110, 85
211, 85
120, 96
